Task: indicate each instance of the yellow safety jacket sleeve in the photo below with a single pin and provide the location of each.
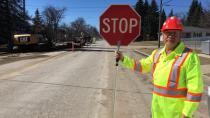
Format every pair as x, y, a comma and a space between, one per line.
143, 65
194, 85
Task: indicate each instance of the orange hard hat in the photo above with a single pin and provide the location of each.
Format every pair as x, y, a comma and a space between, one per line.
172, 23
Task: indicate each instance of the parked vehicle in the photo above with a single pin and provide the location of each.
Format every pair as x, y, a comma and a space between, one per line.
26, 40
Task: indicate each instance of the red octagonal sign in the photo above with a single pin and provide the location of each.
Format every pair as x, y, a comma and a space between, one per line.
120, 23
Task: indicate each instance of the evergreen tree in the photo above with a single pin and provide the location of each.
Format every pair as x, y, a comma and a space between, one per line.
139, 7
149, 19
154, 20
199, 12
205, 18
163, 17
5, 31
171, 13
37, 23
194, 14
12, 19
191, 12
146, 7
147, 28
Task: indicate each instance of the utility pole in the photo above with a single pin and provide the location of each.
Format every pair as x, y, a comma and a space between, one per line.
160, 13
160, 19
23, 29
24, 9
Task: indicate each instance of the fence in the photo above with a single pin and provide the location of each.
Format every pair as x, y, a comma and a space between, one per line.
195, 42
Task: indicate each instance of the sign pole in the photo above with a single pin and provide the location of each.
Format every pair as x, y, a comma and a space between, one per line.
115, 81
208, 100
118, 49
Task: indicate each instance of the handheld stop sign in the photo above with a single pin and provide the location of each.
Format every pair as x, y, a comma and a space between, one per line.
120, 23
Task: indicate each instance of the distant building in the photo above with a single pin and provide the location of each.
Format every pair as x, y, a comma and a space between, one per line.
197, 33
194, 33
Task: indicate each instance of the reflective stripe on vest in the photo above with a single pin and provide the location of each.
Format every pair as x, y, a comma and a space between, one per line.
170, 92
177, 93
175, 69
137, 66
194, 97
156, 58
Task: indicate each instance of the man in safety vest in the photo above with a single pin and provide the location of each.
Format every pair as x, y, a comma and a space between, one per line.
176, 73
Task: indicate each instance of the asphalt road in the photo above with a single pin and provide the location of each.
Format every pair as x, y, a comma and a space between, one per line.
74, 84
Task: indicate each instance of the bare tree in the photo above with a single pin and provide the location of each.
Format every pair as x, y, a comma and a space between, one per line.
92, 31
52, 17
78, 26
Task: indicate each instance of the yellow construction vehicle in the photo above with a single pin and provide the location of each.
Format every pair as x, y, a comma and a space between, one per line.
26, 40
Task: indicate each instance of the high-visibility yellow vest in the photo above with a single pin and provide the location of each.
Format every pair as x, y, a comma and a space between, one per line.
176, 76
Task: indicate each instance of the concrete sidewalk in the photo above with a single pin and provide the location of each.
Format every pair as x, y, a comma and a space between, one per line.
204, 55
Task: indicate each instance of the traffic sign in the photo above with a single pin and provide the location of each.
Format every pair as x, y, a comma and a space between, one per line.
120, 23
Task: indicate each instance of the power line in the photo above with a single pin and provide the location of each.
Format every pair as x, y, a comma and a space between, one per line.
100, 7
94, 7
176, 5
73, 9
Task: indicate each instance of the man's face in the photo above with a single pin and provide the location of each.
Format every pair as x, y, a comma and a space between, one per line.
171, 38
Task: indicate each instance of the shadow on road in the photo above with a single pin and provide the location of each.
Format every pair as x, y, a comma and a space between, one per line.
40, 49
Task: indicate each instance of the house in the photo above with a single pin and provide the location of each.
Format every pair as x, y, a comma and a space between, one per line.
197, 33
191, 33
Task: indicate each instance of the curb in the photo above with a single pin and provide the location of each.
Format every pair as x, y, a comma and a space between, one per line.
205, 76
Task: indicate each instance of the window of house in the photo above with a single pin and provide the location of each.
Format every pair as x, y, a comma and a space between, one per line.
194, 34
200, 34
207, 33
187, 35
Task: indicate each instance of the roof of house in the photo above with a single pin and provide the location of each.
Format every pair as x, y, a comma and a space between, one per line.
195, 29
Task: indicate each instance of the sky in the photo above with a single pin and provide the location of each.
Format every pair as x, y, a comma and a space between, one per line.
91, 10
